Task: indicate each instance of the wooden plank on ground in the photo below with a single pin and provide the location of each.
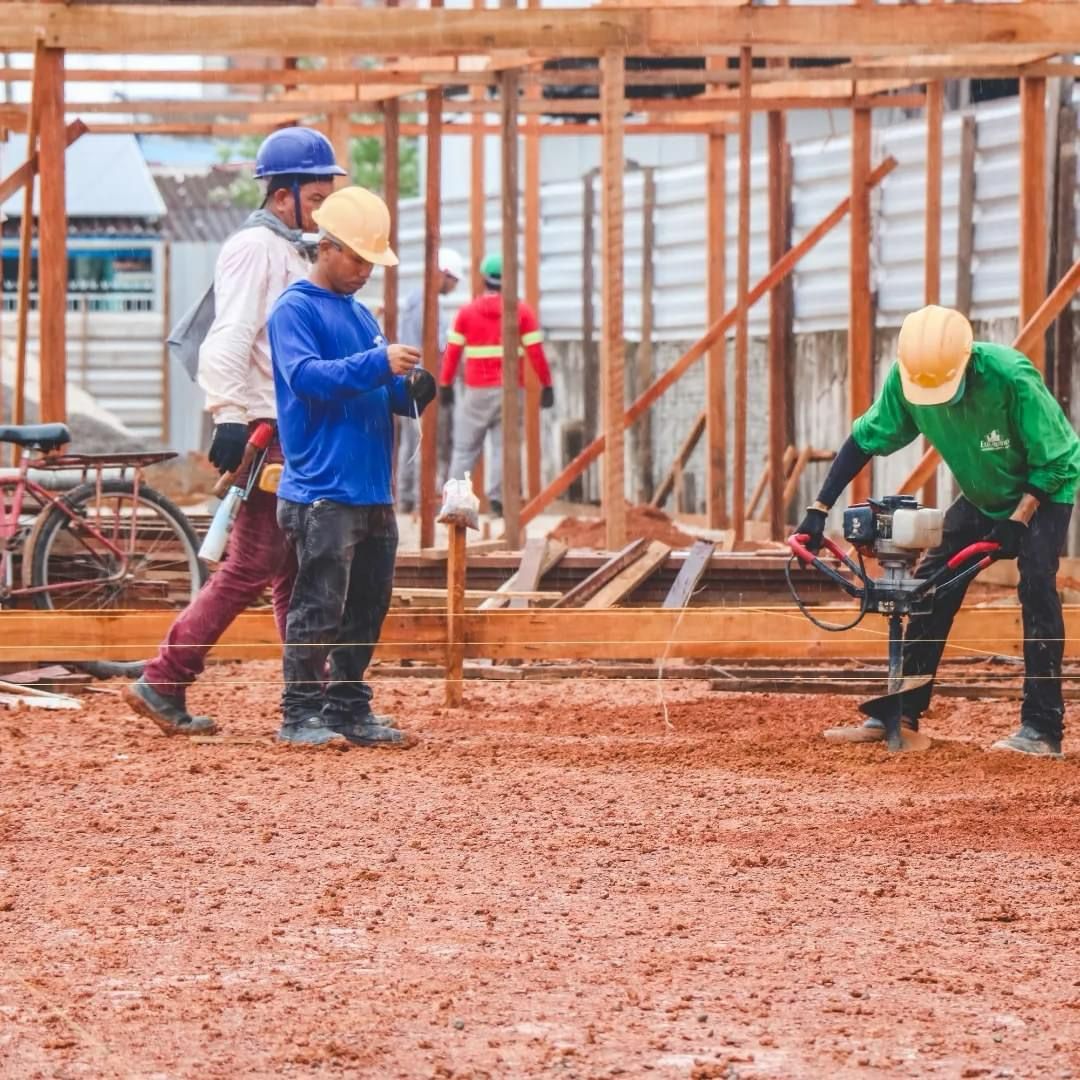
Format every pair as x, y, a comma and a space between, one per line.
693, 568
553, 553
629, 578
581, 592
531, 570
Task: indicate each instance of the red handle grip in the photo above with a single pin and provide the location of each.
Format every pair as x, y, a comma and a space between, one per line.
797, 543
980, 547
262, 436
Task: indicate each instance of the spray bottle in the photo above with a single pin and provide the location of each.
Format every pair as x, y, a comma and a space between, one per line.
232, 494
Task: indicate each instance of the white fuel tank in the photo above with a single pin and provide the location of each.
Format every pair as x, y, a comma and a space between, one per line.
917, 530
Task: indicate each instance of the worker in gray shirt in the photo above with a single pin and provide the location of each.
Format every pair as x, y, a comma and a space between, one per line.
411, 332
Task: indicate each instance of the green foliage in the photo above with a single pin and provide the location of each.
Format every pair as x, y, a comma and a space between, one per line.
365, 166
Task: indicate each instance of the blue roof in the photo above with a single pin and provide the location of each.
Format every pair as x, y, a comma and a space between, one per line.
107, 177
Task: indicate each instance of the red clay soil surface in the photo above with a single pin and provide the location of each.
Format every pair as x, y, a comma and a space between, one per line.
641, 521
552, 884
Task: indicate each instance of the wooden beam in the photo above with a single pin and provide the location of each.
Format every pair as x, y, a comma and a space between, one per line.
553, 553
52, 238
591, 585
647, 399
643, 368
742, 304
429, 448
628, 579
455, 618
716, 398
779, 239
935, 108
612, 339
1064, 331
392, 195
693, 568
827, 30
1033, 226
965, 215
511, 333
860, 317
18, 179
590, 353
532, 287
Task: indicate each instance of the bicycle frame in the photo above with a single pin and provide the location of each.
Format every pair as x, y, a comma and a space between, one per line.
11, 508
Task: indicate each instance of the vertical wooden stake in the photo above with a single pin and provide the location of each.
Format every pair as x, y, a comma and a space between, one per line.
935, 107
532, 284
965, 213
52, 239
429, 448
1033, 229
742, 324
392, 196
860, 318
716, 423
1064, 338
26, 233
612, 339
511, 335
778, 323
455, 617
589, 361
643, 457
477, 241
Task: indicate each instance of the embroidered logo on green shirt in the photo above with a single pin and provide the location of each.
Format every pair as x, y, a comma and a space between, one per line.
995, 441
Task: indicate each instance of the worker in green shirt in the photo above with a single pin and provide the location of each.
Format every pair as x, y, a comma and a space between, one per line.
1016, 459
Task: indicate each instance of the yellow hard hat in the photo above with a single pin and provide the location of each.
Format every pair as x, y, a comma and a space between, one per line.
360, 220
934, 349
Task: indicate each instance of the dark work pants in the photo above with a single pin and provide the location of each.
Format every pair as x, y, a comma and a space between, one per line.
1044, 627
345, 570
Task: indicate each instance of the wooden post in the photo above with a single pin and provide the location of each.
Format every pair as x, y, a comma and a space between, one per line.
532, 283
1033, 230
965, 213
52, 239
935, 106
1064, 337
589, 360
643, 430
742, 324
860, 318
509, 81
26, 233
477, 241
429, 449
716, 408
392, 195
612, 343
455, 617
779, 371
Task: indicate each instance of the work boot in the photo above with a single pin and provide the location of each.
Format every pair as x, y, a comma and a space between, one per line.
311, 732
369, 732
169, 713
873, 731
1029, 741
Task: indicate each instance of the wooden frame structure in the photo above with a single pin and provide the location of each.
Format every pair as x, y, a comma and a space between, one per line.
415, 59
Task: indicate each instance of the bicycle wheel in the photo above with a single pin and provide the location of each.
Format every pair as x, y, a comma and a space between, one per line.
115, 550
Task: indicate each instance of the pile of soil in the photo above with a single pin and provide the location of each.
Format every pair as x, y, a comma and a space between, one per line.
553, 883
641, 522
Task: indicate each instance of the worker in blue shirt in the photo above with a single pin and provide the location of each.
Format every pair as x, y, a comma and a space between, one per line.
338, 383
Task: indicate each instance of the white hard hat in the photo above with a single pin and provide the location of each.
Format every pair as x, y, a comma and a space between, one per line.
450, 262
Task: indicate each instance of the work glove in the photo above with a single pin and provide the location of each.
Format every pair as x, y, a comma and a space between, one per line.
812, 526
422, 387
547, 397
1009, 535
446, 396
227, 450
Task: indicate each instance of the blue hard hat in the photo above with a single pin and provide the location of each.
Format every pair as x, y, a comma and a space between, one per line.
298, 151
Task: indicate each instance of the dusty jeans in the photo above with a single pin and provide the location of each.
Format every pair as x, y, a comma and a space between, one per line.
345, 571
258, 556
1040, 605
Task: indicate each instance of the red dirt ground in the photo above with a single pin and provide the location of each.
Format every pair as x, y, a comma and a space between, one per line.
552, 884
641, 522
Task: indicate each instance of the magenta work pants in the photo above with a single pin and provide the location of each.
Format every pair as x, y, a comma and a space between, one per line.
258, 556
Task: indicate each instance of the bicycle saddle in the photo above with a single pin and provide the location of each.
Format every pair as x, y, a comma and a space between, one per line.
39, 436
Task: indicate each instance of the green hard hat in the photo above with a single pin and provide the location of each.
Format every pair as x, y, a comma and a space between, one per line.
491, 267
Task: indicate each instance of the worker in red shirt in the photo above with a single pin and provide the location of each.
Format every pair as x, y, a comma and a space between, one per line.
477, 333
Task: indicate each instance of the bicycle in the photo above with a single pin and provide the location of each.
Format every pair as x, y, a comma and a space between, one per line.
107, 542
